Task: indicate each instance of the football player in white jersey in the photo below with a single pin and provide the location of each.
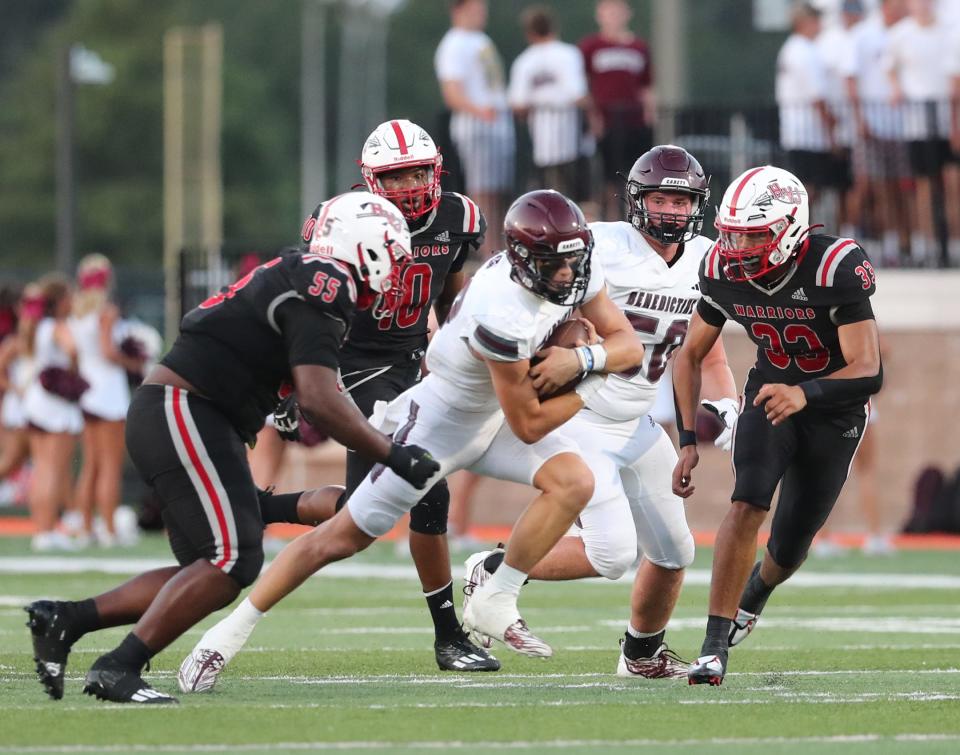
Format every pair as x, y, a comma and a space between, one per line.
478, 409
651, 265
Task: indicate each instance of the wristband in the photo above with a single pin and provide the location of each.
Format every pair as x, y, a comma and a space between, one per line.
687, 438
585, 358
599, 354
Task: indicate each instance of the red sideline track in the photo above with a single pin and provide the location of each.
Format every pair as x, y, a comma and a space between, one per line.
15, 526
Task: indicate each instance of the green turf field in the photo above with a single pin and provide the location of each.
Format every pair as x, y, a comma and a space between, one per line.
862, 657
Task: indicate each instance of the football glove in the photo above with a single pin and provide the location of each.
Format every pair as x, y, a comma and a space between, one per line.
727, 410
412, 463
286, 418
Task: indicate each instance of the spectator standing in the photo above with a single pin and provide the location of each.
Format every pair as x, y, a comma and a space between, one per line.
620, 79
548, 86
53, 413
806, 123
104, 367
16, 373
918, 64
879, 154
472, 81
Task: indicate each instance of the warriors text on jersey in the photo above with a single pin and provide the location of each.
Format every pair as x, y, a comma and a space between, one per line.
500, 320
441, 241
240, 345
795, 322
658, 300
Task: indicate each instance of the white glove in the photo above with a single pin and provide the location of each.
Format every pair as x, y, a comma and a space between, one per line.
727, 409
587, 388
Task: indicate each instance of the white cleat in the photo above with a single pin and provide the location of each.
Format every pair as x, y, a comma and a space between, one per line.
476, 576
495, 614
200, 670
663, 664
743, 624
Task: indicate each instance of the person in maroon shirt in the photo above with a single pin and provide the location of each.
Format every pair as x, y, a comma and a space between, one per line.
620, 77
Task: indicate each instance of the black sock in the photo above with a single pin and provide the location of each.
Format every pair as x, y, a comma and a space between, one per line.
445, 623
83, 618
131, 653
641, 647
756, 593
718, 636
279, 508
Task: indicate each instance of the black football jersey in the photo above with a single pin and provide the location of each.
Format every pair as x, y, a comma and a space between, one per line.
441, 241
238, 347
794, 324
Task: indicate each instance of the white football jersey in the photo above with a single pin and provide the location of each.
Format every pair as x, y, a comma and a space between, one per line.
500, 320
657, 299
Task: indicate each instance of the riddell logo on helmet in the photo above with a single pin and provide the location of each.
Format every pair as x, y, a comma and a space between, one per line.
788, 194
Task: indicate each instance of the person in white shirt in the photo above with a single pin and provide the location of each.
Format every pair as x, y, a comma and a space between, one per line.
548, 86
472, 82
806, 122
879, 153
651, 262
918, 64
480, 408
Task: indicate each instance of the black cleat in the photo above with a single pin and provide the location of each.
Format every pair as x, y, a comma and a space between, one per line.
116, 684
50, 632
459, 654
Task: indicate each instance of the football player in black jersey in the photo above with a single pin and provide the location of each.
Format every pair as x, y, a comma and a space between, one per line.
804, 299
381, 357
281, 324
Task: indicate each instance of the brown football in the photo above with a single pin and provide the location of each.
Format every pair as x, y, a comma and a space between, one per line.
566, 335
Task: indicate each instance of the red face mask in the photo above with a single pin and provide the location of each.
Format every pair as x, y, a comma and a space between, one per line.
95, 278
33, 308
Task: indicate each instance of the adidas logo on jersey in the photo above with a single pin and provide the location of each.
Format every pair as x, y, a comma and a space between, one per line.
799, 295
443, 238
853, 432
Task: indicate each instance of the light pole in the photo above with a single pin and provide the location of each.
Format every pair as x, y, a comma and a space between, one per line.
76, 65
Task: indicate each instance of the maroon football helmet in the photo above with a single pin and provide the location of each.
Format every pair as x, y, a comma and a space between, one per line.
673, 169
544, 231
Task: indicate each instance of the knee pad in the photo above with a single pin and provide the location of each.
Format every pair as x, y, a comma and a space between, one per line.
788, 555
677, 555
611, 558
247, 568
429, 516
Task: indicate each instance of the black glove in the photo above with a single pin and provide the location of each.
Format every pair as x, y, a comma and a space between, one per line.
413, 464
286, 418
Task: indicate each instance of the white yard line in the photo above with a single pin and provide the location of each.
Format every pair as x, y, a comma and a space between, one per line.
354, 570
557, 744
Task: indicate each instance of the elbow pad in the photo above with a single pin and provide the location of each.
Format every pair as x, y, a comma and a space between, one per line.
824, 391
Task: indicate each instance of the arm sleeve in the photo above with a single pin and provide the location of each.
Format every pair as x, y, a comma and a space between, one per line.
311, 337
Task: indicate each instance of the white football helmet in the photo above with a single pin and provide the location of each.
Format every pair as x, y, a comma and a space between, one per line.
399, 144
762, 222
369, 235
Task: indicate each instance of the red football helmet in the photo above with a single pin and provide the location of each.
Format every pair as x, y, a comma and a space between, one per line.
546, 231
669, 169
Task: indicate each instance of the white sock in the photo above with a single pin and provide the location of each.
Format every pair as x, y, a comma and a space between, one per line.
507, 579
232, 633
636, 633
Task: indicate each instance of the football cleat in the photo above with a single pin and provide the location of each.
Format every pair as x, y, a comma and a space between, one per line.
495, 614
200, 670
663, 664
49, 629
708, 669
476, 575
459, 654
116, 684
743, 624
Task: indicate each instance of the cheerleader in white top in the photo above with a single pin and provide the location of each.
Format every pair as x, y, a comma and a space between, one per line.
104, 367
53, 413
16, 373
